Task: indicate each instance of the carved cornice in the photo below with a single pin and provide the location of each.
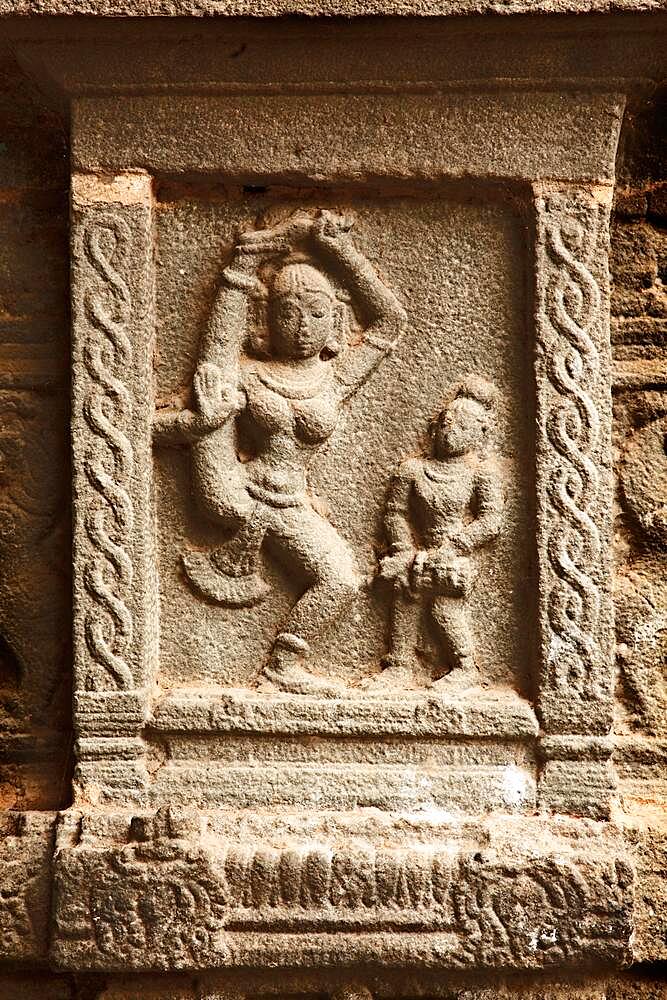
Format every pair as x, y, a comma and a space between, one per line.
173, 897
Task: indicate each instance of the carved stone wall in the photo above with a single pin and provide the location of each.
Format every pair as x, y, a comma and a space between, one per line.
333, 492
35, 539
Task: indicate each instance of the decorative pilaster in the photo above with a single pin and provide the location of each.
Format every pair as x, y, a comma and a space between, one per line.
573, 461
574, 499
115, 621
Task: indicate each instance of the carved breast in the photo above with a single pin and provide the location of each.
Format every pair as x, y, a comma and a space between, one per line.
315, 419
308, 420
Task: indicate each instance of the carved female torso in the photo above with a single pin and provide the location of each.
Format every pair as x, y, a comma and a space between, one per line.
286, 418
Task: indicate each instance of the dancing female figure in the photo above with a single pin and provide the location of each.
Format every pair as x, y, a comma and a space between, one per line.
281, 400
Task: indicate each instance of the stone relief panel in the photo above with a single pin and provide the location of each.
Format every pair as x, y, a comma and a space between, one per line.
341, 546
311, 358
338, 518
288, 400
331, 444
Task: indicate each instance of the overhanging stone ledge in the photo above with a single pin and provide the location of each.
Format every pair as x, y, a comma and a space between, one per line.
500, 714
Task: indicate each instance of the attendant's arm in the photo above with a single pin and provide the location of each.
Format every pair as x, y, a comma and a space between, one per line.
488, 497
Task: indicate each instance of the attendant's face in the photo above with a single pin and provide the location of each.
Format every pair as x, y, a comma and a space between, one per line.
460, 428
302, 323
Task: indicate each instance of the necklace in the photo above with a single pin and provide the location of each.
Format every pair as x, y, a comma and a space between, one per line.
295, 386
436, 475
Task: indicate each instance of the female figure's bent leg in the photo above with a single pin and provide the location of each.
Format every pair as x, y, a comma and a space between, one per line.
230, 574
304, 540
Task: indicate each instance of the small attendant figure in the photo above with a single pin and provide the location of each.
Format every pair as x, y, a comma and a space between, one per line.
441, 510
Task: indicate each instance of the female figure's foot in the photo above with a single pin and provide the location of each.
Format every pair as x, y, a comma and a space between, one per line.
285, 670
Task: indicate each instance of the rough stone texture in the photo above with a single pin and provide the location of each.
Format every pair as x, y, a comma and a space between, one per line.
174, 896
369, 137
334, 8
370, 733
26, 850
115, 628
35, 650
573, 462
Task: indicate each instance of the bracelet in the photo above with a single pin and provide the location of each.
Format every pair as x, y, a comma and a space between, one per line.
244, 282
270, 246
379, 343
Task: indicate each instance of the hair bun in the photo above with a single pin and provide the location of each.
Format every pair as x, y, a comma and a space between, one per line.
478, 388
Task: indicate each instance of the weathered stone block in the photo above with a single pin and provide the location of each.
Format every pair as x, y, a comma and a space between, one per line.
174, 896
26, 847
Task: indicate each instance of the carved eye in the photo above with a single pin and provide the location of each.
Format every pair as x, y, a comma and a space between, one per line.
318, 308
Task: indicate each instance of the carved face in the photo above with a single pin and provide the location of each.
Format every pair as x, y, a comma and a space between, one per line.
301, 312
460, 428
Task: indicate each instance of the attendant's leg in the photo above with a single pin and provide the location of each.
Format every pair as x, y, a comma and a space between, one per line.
451, 618
405, 615
399, 664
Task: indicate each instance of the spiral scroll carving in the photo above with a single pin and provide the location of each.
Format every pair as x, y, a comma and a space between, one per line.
573, 430
107, 575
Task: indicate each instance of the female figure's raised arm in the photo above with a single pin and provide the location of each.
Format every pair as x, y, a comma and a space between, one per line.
386, 315
228, 321
215, 383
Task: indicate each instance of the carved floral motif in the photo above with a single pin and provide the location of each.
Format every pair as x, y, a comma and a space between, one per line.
177, 900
